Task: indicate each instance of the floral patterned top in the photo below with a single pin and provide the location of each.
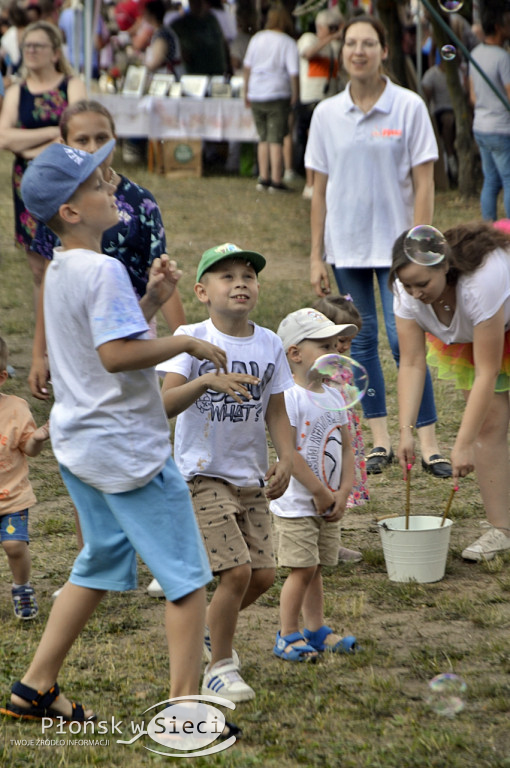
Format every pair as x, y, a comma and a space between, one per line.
35, 111
136, 240
359, 494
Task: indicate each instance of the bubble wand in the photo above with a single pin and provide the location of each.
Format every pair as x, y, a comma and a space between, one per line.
408, 493
449, 503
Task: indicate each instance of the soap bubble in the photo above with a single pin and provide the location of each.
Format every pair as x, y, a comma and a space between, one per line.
448, 52
450, 6
446, 695
425, 245
342, 374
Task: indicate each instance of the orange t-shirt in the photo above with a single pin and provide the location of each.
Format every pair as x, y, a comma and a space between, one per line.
16, 426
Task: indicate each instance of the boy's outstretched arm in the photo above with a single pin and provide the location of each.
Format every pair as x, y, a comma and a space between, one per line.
283, 438
163, 279
179, 393
135, 354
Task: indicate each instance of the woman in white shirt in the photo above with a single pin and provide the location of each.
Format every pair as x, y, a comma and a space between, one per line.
464, 301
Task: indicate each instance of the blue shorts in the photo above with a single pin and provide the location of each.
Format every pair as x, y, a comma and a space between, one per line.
156, 521
14, 527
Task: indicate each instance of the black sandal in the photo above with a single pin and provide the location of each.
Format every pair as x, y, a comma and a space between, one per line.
41, 705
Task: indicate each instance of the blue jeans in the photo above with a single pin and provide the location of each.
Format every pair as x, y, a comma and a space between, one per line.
495, 153
359, 283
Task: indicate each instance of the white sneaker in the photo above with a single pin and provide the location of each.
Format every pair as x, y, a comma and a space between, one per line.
154, 589
307, 193
290, 175
223, 679
490, 544
208, 652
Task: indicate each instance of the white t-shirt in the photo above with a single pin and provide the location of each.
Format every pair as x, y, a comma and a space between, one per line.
272, 58
368, 159
216, 436
315, 73
319, 441
479, 296
109, 429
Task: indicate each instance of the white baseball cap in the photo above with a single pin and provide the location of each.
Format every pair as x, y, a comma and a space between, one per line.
308, 323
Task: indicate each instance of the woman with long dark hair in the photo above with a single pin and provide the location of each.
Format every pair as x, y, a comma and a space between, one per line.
464, 301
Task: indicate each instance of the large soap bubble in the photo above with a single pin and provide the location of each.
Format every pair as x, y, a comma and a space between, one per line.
448, 52
446, 694
341, 374
425, 245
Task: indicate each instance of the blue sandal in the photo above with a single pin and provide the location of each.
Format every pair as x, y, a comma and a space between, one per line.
41, 705
316, 639
285, 649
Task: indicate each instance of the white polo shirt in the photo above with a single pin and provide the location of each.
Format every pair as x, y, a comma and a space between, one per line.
368, 159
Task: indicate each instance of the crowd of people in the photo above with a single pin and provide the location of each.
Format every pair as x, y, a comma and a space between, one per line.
96, 244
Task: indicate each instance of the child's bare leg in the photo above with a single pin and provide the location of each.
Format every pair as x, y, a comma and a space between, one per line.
261, 580
79, 536
184, 623
292, 598
313, 602
70, 612
20, 561
224, 609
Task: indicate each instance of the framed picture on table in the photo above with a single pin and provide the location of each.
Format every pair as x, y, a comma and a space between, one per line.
160, 84
194, 85
237, 86
135, 80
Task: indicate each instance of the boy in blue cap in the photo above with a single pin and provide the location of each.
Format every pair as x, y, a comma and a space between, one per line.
109, 433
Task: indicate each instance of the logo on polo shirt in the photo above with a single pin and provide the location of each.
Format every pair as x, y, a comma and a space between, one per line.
387, 133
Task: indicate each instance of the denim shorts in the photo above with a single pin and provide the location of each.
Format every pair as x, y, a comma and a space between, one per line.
156, 522
14, 526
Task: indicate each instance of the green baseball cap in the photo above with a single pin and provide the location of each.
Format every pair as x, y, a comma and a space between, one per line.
228, 251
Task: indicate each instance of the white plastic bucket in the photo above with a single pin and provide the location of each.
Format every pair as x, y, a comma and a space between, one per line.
418, 553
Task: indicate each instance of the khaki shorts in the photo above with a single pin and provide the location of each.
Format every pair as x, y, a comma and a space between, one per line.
271, 119
235, 523
307, 541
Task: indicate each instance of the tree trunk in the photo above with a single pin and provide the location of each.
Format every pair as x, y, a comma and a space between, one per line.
388, 11
464, 143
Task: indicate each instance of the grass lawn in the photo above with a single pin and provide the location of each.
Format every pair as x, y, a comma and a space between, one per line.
365, 711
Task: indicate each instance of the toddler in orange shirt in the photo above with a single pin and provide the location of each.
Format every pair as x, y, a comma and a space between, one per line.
19, 438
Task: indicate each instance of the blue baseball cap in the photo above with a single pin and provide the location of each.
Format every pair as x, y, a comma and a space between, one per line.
54, 176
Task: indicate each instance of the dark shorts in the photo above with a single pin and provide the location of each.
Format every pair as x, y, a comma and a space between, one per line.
271, 119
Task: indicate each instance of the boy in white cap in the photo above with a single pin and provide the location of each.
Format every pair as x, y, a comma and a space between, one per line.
221, 447
308, 514
109, 433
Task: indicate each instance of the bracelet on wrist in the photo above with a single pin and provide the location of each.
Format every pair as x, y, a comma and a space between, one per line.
407, 426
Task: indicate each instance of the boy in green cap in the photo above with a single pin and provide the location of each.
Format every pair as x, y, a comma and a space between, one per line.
221, 447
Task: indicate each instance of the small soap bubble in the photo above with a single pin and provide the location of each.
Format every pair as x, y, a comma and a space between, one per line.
448, 52
450, 6
425, 245
340, 373
446, 694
